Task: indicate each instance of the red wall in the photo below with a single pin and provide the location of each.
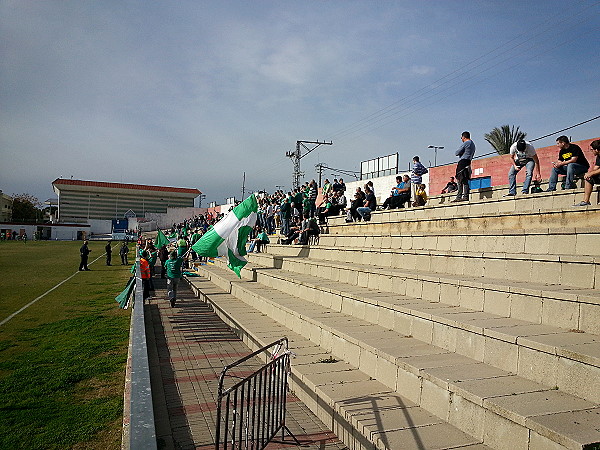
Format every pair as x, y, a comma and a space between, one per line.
497, 167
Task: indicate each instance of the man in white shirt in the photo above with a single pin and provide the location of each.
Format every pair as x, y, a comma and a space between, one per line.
522, 155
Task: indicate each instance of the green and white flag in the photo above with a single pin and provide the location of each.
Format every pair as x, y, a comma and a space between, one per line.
228, 237
161, 240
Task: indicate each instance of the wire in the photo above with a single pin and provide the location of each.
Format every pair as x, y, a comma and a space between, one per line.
433, 89
395, 119
545, 136
565, 129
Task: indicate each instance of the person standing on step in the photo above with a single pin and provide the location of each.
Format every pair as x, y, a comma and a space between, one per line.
173, 266
463, 169
523, 155
84, 251
108, 250
571, 162
593, 176
416, 177
163, 255
145, 273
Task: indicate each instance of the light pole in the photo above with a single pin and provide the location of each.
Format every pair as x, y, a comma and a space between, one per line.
436, 148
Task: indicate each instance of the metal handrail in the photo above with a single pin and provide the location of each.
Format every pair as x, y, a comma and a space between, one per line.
255, 407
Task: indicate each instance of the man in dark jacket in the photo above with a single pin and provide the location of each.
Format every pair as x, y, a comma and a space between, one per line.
84, 251
108, 250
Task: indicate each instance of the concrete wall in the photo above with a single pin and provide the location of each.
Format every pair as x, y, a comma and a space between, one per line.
98, 226
382, 186
497, 166
57, 232
173, 215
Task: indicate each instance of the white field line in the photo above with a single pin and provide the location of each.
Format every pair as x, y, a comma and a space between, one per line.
45, 293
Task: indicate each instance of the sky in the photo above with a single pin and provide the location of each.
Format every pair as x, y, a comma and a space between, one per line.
199, 93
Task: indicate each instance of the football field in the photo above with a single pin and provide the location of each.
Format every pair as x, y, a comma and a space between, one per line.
63, 346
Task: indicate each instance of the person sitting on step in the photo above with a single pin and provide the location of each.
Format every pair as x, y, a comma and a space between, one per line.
593, 176
400, 193
571, 162
308, 228
351, 213
260, 240
370, 205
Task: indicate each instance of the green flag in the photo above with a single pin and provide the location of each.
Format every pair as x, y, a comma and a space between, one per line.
161, 240
229, 236
123, 298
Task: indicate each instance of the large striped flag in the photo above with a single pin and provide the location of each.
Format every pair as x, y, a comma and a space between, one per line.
228, 237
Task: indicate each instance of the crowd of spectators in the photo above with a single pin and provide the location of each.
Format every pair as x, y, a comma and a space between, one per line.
296, 215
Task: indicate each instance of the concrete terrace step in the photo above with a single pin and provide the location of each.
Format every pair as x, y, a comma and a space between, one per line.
563, 241
566, 307
572, 271
432, 219
497, 406
363, 412
539, 352
484, 203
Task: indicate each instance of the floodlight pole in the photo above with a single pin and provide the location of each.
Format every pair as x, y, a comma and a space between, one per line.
436, 148
297, 155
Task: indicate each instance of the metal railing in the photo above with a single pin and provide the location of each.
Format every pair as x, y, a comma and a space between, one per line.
251, 412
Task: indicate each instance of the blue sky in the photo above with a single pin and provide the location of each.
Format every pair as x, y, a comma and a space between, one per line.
195, 93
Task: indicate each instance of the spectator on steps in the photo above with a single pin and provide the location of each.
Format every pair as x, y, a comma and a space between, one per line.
416, 176
463, 169
338, 203
145, 272
293, 231
260, 240
324, 210
369, 205
593, 176
400, 193
421, 196
163, 255
571, 162
451, 186
523, 155
352, 213
174, 264
308, 228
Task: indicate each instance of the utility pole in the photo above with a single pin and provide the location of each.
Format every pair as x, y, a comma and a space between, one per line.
243, 186
297, 155
320, 167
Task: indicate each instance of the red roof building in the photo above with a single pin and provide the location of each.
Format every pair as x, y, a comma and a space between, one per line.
82, 200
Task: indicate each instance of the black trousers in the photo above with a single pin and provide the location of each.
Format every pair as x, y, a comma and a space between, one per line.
463, 175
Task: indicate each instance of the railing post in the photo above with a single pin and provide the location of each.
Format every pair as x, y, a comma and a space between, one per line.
264, 393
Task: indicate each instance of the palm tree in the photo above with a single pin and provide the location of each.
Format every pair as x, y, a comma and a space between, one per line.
502, 138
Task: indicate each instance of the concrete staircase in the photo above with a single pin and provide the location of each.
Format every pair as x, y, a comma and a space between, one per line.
415, 334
